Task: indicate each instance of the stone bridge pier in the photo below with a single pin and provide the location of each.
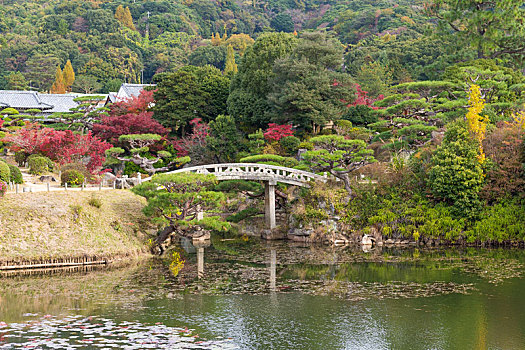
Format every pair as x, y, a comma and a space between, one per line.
269, 204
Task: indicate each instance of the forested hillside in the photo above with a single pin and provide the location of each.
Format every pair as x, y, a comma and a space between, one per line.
424, 97
109, 42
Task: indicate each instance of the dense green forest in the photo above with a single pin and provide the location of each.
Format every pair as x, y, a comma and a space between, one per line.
109, 42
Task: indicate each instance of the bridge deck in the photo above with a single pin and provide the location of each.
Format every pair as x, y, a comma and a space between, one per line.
254, 172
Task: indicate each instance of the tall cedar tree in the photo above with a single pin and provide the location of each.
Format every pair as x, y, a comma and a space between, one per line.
231, 66
59, 87
123, 15
69, 75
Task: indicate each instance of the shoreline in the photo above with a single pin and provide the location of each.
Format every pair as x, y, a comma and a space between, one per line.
54, 229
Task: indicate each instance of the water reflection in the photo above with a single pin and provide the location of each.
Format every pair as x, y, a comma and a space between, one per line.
273, 270
280, 296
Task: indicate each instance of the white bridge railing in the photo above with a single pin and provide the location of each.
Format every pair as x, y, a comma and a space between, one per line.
255, 172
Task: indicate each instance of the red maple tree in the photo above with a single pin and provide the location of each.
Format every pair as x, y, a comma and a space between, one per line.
60, 146
276, 132
362, 98
131, 116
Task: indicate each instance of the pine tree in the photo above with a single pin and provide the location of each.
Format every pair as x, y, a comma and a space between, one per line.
59, 86
231, 66
69, 75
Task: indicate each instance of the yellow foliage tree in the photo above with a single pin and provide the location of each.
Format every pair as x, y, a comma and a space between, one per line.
216, 39
69, 75
128, 19
518, 119
119, 13
59, 87
123, 15
477, 124
231, 66
240, 42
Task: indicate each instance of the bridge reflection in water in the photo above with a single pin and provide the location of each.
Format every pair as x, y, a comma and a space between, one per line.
199, 248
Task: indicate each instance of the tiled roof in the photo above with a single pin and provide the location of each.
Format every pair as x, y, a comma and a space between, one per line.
112, 97
60, 103
22, 100
130, 90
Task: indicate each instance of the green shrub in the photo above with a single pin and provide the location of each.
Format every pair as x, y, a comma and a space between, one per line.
501, 222
39, 165
290, 144
306, 145
271, 159
16, 175
360, 115
5, 173
81, 168
72, 177
456, 176
20, 158
95, 202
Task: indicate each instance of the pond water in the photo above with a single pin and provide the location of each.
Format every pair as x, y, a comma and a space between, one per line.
257, 295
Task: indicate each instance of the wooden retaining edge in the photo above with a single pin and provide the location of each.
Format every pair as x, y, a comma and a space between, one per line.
51, 265
79, 261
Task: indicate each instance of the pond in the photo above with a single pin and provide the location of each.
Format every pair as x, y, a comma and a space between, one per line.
259, 295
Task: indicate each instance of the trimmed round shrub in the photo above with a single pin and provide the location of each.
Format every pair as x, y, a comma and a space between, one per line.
290, 144
3, 188
16, 175
72, 177
360, 115
81, 168
20, 158
5, 173
38, 165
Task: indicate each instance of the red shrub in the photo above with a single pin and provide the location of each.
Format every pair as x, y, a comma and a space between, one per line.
276, 132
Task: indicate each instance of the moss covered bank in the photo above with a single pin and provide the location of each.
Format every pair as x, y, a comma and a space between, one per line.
43, 226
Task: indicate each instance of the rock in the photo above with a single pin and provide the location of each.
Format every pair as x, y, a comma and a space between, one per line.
389, 241
272, 234
294, 238
367, 240
47, 178
339, 242
299, 232
405, 242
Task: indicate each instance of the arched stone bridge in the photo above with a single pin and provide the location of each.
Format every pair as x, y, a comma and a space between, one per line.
269, 174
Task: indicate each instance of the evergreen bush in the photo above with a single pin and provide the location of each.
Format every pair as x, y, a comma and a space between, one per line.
39, 165
16, 175
72, 177
5, 173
